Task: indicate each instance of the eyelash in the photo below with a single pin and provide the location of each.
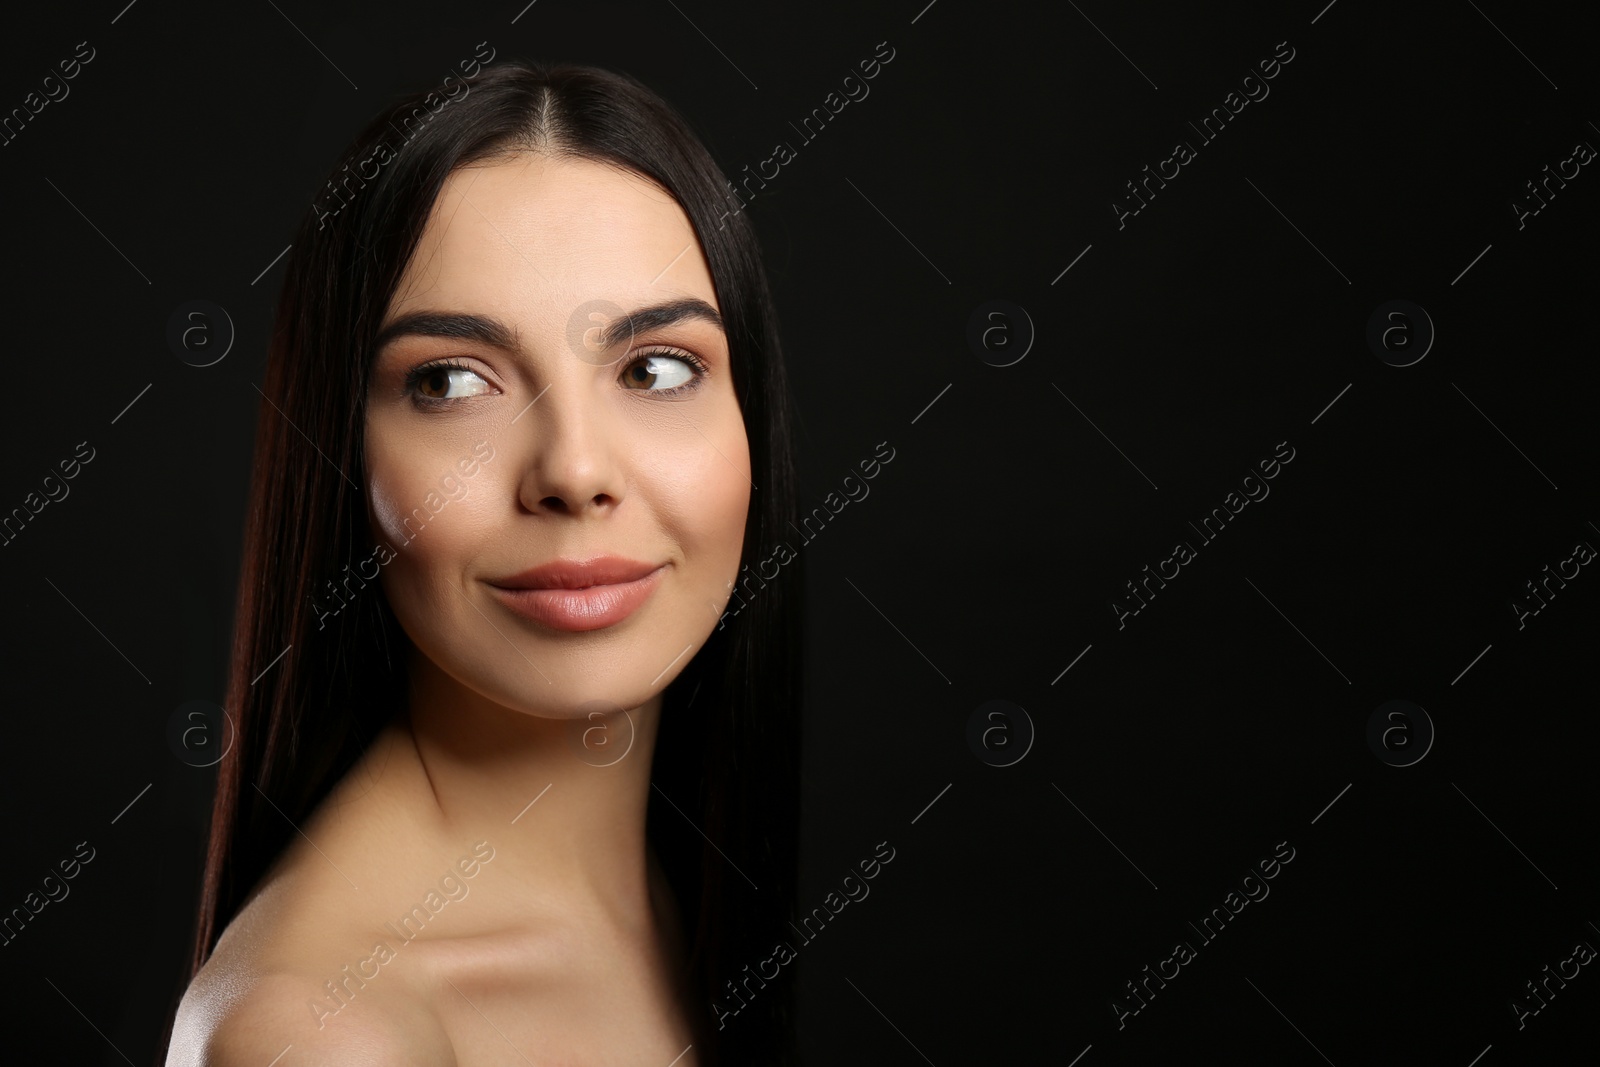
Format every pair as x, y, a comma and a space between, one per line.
417, 374
699, 365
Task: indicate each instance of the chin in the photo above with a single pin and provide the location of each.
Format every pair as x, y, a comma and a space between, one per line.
573, 676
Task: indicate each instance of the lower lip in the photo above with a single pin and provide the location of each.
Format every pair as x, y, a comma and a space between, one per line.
576, 610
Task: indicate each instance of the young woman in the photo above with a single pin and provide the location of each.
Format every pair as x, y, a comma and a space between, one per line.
515, 776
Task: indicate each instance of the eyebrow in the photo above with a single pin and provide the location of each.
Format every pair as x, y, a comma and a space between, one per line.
496, 334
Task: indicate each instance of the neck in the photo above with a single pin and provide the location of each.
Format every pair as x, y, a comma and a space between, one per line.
561, 804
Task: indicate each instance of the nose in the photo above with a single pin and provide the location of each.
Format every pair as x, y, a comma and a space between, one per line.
572, 463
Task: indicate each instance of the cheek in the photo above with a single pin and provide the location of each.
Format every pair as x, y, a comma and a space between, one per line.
428, 529
706, 488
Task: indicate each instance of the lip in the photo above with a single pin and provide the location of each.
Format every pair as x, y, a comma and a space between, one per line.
579, 595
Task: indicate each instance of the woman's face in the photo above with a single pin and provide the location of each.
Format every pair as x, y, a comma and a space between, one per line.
520, 421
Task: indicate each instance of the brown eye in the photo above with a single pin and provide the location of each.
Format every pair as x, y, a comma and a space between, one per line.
441, 381
659, 373
436, 384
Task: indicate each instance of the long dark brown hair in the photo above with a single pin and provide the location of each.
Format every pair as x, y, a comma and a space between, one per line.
728, 747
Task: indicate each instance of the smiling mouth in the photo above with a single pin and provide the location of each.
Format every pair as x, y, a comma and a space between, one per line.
558, 600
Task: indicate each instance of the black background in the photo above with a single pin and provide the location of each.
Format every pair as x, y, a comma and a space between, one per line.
1172, 356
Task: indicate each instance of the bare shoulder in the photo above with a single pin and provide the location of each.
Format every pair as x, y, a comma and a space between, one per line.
220, 1024
262, 993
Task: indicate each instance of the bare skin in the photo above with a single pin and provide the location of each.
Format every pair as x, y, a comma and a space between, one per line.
563, 944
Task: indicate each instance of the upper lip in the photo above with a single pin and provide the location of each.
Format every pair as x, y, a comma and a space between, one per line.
578, 573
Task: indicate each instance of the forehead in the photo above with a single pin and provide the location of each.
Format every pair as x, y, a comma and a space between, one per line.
531, 238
